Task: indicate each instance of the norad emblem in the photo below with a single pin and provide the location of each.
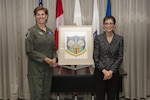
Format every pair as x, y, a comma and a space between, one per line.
76, 45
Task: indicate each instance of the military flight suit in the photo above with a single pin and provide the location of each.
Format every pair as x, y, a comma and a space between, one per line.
39, 44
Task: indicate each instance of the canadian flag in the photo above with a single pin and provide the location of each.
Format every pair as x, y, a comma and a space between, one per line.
59, 19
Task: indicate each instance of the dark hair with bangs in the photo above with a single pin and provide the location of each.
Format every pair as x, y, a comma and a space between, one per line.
109, 17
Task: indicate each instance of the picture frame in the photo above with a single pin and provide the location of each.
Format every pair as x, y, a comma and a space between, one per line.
75, 46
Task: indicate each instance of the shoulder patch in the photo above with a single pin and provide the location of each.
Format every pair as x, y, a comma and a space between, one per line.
27, 34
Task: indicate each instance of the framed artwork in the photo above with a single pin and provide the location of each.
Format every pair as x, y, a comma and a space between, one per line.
75, 45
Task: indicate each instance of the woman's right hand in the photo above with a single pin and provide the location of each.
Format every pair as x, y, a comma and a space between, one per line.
107, 74
48, 60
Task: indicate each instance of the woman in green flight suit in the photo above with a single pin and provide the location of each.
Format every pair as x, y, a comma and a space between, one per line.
41, 52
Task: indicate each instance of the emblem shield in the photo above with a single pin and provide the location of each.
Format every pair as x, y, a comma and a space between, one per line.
76, 45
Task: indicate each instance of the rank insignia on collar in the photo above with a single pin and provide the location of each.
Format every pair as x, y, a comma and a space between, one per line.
27, 34
41, 33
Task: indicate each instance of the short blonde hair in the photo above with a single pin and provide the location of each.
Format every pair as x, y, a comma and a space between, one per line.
40, 8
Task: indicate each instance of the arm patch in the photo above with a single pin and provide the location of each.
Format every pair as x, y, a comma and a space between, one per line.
27, 34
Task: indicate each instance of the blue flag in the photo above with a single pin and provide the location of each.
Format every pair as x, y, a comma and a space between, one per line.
108, 9
40, 3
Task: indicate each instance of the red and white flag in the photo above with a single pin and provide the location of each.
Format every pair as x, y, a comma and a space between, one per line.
59, 19
95, 23
77, 14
